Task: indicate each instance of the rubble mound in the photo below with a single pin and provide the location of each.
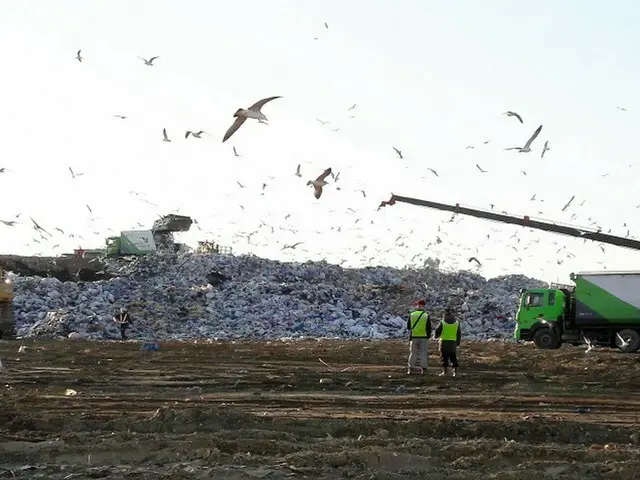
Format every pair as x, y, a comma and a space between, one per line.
191, 296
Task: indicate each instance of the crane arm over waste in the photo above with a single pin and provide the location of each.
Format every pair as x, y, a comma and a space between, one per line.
524, 221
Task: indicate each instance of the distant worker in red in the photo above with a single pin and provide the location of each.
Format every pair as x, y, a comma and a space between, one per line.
419, 327
450, 334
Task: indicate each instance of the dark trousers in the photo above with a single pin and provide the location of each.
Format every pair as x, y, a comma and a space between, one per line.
123, 330
449, 356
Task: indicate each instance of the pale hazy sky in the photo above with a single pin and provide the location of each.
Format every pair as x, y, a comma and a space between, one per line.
429, 77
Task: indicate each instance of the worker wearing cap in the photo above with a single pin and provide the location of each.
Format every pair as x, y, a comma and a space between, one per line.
419, 327
450, 334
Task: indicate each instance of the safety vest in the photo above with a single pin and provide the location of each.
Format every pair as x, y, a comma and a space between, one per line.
419, 321
449, 331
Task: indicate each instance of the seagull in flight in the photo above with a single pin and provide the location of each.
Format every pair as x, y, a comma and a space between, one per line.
590, 344
241, 116
292, 246
38, 227
193, 134
623, 342
513, 114
148, 62
398, 152
622, 109
527, 145
298, 174
78, 56
164, 135
73, 174
568, 203
319, 182
235, 152
480, 168
546, 148
433, 171
122, 117
474, 259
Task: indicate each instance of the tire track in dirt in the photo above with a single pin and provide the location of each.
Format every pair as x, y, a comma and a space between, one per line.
245, 410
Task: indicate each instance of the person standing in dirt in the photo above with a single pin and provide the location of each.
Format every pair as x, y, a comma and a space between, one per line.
450, 334
124, 320
419, 327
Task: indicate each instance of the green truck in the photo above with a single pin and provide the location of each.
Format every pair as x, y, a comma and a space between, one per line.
603, 308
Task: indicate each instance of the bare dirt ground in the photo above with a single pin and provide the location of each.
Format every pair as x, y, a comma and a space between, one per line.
258, 410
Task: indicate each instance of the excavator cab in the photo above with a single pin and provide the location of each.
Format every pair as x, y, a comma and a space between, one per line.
7, 321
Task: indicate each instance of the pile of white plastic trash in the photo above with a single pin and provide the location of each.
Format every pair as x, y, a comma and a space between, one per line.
195, 296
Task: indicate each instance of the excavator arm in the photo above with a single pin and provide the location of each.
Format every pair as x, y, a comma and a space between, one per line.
524, 221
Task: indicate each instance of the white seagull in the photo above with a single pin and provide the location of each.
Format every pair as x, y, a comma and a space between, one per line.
148, 62
546, 148
623, 342
73, 174
252, 112
193, 134
513, 114
319, 182
527, 145
590, 345
78, 56
298, 174
164, 135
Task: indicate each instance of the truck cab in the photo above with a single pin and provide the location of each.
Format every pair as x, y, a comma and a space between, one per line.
538, 308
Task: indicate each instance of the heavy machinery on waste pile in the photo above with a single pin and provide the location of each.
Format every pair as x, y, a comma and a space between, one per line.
7, 320
160, 237
213, 247
603, 308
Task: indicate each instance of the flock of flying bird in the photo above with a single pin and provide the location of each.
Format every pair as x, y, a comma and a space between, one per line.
254, 112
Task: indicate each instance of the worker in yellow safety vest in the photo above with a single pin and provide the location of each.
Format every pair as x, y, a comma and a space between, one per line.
450, 334
419, 327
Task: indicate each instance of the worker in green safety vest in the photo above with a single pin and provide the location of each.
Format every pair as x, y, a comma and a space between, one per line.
450, 334
419, 327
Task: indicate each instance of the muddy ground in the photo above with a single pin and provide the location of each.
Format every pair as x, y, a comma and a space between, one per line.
259, 410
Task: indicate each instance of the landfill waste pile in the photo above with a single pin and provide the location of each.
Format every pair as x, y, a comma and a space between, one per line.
199, 296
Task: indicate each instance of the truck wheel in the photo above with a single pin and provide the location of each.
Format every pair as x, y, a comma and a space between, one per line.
545, 338
631, 338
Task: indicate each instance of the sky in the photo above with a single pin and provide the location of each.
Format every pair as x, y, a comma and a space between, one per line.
428, 77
